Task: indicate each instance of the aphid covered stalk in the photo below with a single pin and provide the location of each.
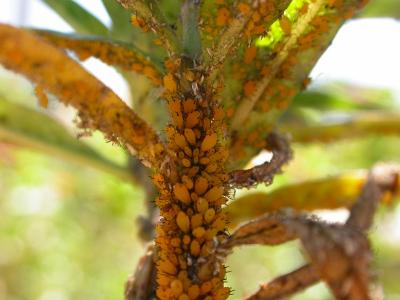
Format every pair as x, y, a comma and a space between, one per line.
191, 196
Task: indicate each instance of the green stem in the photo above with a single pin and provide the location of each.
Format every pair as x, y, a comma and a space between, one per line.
191, 40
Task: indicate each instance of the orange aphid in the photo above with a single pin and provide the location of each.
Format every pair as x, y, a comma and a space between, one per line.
219, 223
138, 22
286, 25
244, 8
190, 136
200, 185
186, 163
210, 234
201, 205
194, 292
194, 196
42, 97
189, 75
178, 120
192, 119
211, 168
214, 193
256, 17
303, 9
216, 282
209, 215
219, 113
171, 64
230, 112
175, 106
189, 106
176, 287
137, 67
180, 140
209, 142
249, 88
184, 297
157, 42
206, 287
193, 171
167, 267
222, 293
223, 16
198, 232
169, 83
163, 279
204, 160
186, 239
187, 181
182, 220
183, 277
175, 242
188, 151
196, 221
250, 54
181, 193
195, 248
152, 75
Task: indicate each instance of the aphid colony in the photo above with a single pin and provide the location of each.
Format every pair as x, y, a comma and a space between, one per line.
279, 92
111, 54
227, 11
190, 199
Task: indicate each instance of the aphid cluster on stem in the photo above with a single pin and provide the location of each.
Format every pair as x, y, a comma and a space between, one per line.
192, 222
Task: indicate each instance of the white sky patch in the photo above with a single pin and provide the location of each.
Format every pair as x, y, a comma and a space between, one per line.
365, 52
27, 200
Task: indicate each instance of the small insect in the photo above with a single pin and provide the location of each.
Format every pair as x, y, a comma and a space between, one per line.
182, 220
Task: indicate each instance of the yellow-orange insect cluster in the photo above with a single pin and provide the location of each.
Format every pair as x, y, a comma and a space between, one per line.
112, 54
190, 199
223, 13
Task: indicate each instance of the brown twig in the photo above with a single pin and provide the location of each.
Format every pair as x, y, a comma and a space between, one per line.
287, 284
340, 254
384, 178
146, 222
267, 230
265, 172
141, 285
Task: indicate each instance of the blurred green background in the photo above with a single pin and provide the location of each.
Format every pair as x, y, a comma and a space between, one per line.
68, 229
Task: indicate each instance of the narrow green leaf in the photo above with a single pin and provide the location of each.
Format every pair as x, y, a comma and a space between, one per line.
77, 17
191, 36
29, 128
121, 28
346, 126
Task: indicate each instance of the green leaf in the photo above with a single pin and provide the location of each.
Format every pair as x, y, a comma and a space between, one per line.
29, 128
382, 8
343, 96
325, 193
191, 36
333, 128
121, 28
77, 17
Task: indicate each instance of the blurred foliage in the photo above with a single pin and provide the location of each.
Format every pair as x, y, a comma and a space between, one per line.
68, 231
382, 8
